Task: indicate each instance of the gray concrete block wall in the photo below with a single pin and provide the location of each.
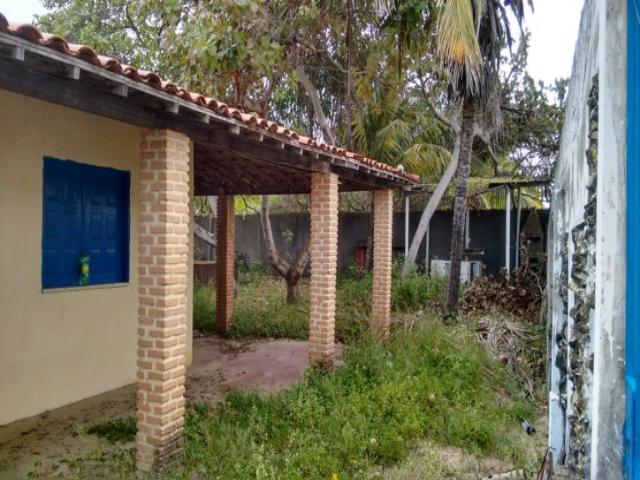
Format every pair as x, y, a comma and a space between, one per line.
291, 231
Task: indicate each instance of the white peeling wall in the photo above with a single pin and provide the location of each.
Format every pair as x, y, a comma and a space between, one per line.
609, 331
592, 442
568, 201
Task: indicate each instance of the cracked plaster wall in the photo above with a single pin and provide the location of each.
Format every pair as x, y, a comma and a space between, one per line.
587, 254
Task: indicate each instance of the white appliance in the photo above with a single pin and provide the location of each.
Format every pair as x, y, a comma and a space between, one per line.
468, 269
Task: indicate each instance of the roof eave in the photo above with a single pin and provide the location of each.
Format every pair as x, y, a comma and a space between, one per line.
169, 111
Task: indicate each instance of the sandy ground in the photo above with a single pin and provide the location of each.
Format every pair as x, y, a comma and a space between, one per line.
429, 460
55, 443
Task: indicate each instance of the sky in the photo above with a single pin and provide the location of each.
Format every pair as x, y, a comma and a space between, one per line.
553, 26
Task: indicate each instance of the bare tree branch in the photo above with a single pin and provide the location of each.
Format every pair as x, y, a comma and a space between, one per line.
442, 118
276, 260
327, 132
485, 137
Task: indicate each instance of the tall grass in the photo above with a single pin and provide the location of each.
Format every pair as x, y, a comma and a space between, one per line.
434, 383
204, 307
261, 309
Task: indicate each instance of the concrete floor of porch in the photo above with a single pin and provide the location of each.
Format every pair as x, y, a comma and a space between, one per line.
56, 442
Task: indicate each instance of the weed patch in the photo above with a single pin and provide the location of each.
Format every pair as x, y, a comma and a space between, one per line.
121, 430
261, 310
434, 383
416, 290
204, 307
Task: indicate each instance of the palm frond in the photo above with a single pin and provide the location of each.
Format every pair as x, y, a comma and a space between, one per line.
426, 160
457, 42
390, 141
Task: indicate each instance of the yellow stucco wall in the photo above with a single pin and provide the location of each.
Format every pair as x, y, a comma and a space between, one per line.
63, 346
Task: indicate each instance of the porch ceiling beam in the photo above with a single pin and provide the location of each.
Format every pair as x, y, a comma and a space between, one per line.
358, 180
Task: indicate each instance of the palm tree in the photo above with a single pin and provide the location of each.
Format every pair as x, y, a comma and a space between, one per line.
389, 129
470, 37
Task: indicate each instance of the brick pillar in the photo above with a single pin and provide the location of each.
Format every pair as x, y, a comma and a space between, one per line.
225, 264
324, 257
382, 237
162, 307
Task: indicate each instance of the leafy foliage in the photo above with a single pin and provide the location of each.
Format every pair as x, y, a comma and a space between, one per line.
376, 97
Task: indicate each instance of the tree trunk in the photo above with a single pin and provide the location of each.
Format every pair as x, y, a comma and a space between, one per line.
296, 270
348, 137
293, 292
290, 272
327, 132
460, 203
279, 264
431, 207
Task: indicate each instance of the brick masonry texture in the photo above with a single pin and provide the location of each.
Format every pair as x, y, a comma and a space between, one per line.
382, 251
162, 307
225, 251
324, 259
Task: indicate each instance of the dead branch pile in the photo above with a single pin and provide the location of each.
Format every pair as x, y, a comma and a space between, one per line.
519, 293
511, 342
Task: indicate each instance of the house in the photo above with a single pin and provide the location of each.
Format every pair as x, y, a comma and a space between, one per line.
100, 162
594, 265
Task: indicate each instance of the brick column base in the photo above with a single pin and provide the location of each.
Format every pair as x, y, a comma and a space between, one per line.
382, 238
324, 257
162, 307
225, 263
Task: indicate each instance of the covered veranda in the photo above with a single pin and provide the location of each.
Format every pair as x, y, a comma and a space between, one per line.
193, 143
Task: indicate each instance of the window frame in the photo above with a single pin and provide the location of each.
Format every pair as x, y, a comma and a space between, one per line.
122, 188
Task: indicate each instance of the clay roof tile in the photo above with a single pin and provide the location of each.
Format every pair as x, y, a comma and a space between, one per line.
56, 42
131, 72
86, 53
151, 78
110, 64
26, 31
223, 109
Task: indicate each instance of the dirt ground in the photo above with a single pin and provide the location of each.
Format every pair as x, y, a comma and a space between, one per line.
56, 443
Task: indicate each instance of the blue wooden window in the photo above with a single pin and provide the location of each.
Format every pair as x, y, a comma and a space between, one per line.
85, 212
